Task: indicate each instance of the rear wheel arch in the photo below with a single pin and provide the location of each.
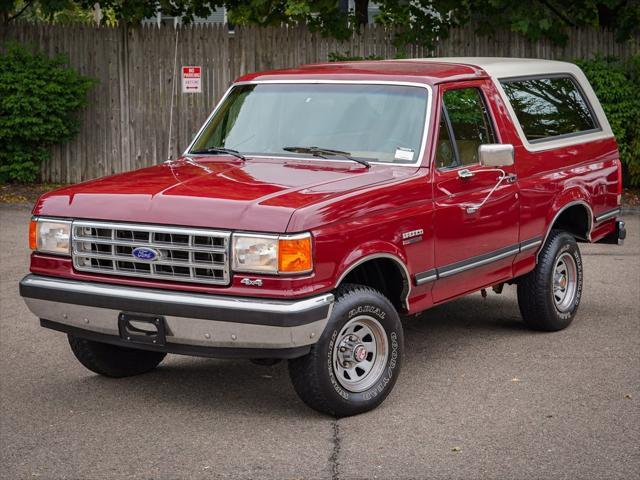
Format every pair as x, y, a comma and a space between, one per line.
574, 217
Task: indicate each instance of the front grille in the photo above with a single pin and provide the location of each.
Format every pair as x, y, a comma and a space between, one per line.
183, 254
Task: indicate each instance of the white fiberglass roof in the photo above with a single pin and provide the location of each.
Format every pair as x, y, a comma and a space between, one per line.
501, 67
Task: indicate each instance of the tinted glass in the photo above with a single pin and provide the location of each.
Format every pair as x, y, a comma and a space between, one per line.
549, 107
445, 153
375, 122
471, 127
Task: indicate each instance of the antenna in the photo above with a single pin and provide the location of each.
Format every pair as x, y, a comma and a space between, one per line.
173, 94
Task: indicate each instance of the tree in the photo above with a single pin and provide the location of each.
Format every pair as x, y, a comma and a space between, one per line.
424, 21
415, 21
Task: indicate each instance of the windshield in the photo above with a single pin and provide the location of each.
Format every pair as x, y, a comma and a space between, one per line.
382, 123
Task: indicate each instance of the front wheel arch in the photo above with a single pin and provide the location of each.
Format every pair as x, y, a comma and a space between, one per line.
383, 272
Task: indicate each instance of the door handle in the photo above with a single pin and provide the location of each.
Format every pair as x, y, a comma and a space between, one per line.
465, 173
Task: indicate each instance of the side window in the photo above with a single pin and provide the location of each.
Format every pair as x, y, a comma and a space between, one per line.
464, 110
549, 107
445, 154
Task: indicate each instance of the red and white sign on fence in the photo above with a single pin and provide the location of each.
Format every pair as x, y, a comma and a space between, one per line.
191, 79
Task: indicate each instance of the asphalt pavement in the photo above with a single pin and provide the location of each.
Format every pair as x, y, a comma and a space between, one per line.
480, 396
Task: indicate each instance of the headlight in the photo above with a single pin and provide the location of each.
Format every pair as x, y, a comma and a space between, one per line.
50, 236
272, 253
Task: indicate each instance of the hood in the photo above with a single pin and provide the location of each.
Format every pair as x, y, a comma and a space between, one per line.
215, 192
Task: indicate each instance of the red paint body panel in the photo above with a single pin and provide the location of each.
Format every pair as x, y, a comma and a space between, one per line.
259, 195
399, 71
460, 235
353, 212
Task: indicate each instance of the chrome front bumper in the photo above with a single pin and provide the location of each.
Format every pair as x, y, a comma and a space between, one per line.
196, 324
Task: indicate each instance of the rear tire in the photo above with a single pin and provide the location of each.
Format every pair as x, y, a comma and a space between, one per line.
549, 295
113, 361
356, 362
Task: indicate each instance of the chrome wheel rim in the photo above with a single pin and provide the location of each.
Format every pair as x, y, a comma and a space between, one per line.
360, 353
565, 282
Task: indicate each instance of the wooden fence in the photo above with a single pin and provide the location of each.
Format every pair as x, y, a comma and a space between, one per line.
126, 125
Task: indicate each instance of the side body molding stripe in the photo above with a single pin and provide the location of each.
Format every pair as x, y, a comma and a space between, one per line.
475, 262
608, 214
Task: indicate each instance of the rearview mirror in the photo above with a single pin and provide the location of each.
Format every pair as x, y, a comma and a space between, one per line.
496, 155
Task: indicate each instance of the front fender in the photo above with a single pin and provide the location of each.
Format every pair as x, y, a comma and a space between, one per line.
371, 251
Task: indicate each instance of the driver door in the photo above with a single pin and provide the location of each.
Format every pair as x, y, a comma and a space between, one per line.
473, 248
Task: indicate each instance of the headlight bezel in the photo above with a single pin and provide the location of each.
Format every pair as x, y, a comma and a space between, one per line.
37, 237
256, 238
275, 240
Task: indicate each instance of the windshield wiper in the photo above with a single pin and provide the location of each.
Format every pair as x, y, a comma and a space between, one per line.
319, 152
220, 151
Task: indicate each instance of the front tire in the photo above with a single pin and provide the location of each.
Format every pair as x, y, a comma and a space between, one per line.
113, 361
356, 362
549, 295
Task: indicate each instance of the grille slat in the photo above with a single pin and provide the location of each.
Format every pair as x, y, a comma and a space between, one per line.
188, 255
78, 238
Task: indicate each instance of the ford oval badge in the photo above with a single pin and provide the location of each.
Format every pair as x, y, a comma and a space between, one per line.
145, 253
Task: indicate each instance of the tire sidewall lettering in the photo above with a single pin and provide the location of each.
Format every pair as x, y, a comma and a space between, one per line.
367, 309
380, 385
573, 251
393, 360
332, 376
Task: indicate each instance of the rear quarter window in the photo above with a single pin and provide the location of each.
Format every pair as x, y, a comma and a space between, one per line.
549, 107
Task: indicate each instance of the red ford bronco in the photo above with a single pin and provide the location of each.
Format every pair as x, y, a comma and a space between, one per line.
318, 204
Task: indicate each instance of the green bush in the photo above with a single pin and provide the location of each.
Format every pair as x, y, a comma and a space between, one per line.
347, 57
617, 86
39, 101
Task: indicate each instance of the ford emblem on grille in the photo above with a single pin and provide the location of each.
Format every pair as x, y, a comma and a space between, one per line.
144, 253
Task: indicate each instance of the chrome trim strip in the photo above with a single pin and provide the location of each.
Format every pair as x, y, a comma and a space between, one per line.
406, 291
474, 262
181, 330
423, 144
426, 277
529, 244
450, 270
608, 214
175, 298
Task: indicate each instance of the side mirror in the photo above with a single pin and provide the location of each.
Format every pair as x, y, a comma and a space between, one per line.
495, 155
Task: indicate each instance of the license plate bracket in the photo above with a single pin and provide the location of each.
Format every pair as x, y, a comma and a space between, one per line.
141, 328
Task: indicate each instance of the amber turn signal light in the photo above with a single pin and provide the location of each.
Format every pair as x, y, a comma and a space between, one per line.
294, 255
33, 225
